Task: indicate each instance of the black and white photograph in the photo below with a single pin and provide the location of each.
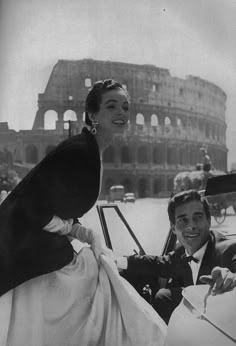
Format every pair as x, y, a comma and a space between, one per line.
117, 172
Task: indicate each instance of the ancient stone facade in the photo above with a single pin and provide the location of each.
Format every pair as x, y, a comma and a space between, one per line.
171, 118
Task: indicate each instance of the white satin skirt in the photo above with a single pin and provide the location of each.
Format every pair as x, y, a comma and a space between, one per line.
202, 320
82, 304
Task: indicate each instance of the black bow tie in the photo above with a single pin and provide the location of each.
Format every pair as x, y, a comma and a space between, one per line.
191, 258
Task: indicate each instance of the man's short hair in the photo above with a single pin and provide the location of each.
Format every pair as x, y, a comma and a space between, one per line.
183, 198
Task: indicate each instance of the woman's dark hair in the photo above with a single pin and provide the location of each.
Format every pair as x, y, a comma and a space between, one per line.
185, 197
94, 98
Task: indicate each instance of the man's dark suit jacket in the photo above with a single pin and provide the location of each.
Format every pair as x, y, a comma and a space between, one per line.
219, 252
65, 183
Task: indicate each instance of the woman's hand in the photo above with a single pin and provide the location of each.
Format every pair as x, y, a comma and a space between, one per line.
93, 238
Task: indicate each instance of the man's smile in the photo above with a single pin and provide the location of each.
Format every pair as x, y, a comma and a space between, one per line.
192, 235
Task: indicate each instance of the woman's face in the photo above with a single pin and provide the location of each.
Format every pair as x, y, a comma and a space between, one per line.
113, 114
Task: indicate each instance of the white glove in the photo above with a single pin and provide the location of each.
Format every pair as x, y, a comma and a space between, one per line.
88, 235
85, 235
57, 225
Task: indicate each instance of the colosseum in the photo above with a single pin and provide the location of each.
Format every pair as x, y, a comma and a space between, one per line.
171, 118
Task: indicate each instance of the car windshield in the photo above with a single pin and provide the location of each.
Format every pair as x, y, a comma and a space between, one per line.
149, 221
147, 218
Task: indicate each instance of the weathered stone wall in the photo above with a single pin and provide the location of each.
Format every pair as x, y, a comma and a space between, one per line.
171, 118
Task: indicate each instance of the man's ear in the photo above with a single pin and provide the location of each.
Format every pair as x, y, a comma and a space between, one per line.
172, 227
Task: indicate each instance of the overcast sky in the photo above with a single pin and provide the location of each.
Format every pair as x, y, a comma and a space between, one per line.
194, 37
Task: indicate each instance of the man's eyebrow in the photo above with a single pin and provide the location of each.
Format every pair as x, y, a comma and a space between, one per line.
111, 100
181, 215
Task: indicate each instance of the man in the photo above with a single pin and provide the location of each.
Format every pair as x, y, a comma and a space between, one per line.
200, 256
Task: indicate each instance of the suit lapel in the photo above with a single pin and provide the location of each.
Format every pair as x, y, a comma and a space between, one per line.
209, 259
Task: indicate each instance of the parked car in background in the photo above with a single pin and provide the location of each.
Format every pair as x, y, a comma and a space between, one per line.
129, 197
233, 167
116, 193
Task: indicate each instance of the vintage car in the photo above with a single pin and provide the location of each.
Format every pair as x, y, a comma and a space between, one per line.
123, 240
129, 197
116, 193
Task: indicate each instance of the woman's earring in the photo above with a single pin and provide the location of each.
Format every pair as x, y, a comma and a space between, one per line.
94, 127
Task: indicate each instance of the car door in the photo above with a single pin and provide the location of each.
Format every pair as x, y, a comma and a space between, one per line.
115, 226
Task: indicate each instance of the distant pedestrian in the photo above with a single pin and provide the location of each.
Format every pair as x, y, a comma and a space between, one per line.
206, 161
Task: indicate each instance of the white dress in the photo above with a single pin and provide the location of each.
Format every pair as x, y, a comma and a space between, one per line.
202, 319
84, 303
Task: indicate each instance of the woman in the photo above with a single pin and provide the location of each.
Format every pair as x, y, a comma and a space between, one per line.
66, 184
52, 296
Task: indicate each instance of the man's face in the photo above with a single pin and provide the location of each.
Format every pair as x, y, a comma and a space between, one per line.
191, 226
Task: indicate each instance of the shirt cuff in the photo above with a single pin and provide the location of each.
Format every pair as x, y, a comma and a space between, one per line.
122, 263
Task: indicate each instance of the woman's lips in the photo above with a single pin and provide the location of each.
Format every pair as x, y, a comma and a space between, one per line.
118, 122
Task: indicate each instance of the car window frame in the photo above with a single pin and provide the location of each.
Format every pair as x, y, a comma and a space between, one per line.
169, 243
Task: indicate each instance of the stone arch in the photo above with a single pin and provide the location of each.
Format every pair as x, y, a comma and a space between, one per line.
171, 155
201, 125
218, 133
88, 82
207, 130
69, 115
158, 154
181, 156
167, 121
142, 188
50, 119
127, 183
31, 153
170, 184
193, 155
6, 156
179, 122
49, 148
142, 154
213, 132
109, 155
154, 120
140, 121
155, 154
125, 154
157, 186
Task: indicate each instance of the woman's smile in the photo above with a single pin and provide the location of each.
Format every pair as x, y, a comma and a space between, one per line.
119, 121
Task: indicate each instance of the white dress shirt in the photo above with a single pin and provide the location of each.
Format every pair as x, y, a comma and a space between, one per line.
195, 266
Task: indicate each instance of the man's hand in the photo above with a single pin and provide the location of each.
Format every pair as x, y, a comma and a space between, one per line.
221, 280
